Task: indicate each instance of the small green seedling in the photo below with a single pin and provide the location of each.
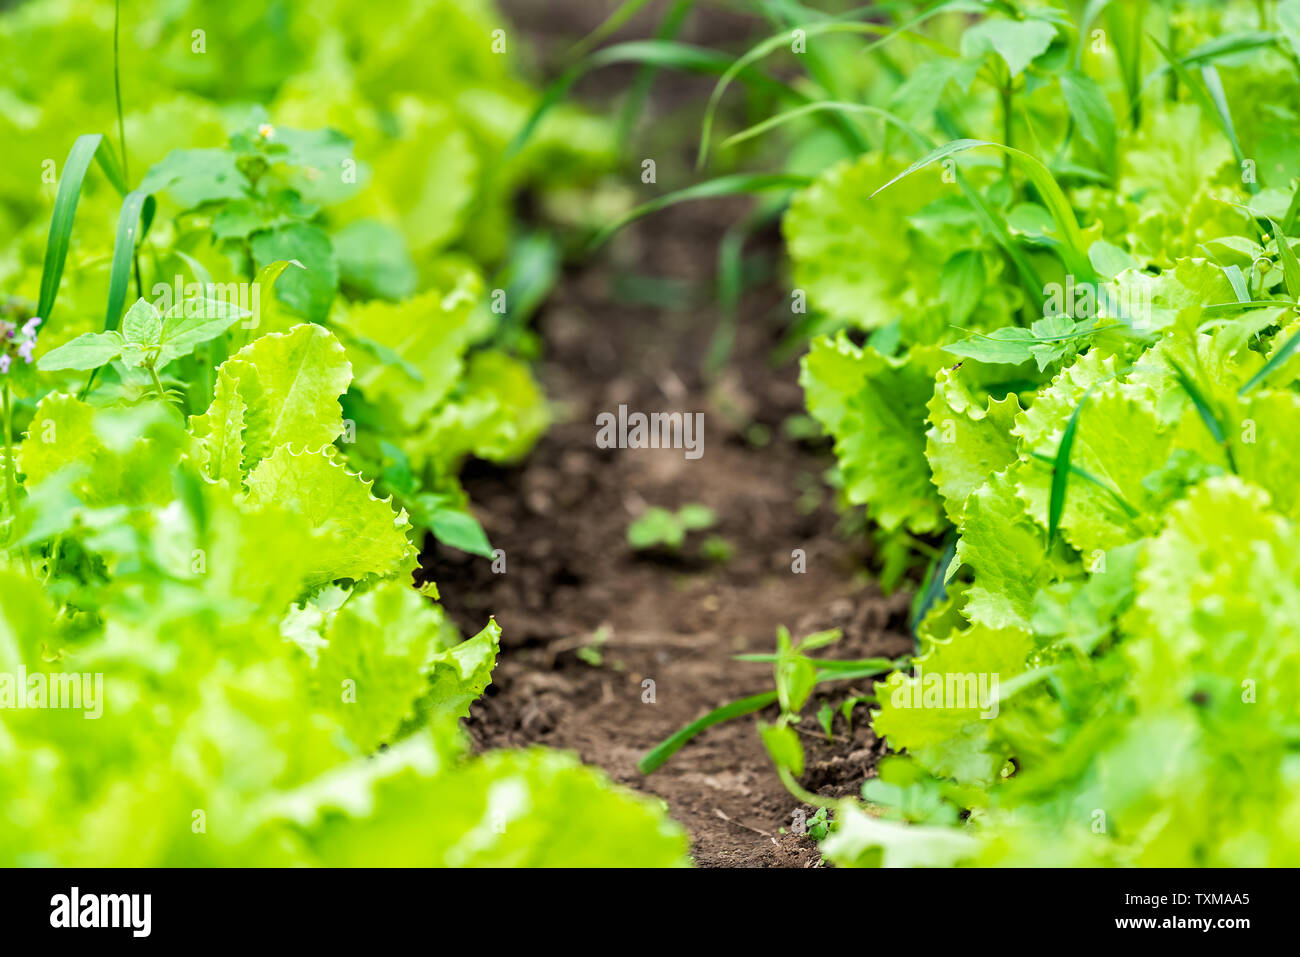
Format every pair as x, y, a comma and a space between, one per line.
148, 339
590, 652
820, 824
659, 527
717, 549
826, 718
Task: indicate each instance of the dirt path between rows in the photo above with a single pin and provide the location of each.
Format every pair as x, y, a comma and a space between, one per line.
561, 518
631, 327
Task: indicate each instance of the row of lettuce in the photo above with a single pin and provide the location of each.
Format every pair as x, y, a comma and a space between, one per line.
216, 489
1072, 383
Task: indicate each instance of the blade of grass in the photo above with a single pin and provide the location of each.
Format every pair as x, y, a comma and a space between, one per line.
1215, 49
1184, 75
1292, 212
621, 15
935, 586
119, 277
1286, 352
655, 757
731, 282
197, 270
265, 281
1219, 100
1067, 337
1227, 308
214, 350
1209, 96
639, 91
820, 106
528, 275
828, 665
117, 92
1073, 251
108, 165
1087, 476
852, 674
1090, 14
995, 227
662, 54
990, 223
776, 42
65, 211
1125, 22
121, 140
734, 184
1237, 281
800, 12
1290, 268
1204, 409
792, 16
1061, 473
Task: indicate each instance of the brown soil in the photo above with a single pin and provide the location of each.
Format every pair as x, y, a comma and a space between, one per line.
561, 517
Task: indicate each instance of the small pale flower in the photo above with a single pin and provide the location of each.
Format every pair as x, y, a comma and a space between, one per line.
16, 341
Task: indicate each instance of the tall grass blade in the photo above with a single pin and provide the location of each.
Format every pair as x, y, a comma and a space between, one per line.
828, 665
1091, 12
731, 185
791, 16
639, 91
991, 223
1292, 212
1073, 251
819, 106
1286, 352
1204, 409
1219, 101
1237, 280
655, 757
65, 211
776, 42
731, 280
117, 92
1216, 49
530, 272
610, 25
663, 54
1061, 473
826, 671
1290, 267
1231, 308
1210, 97
112, 172
1087, 476
119, 277
265, 282
936, 584
1125, 22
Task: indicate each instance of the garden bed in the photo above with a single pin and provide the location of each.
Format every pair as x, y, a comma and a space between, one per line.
561, 519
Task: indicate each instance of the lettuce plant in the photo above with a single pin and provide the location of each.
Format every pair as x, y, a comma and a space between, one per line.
1062, 293
1108, 449
211, 652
